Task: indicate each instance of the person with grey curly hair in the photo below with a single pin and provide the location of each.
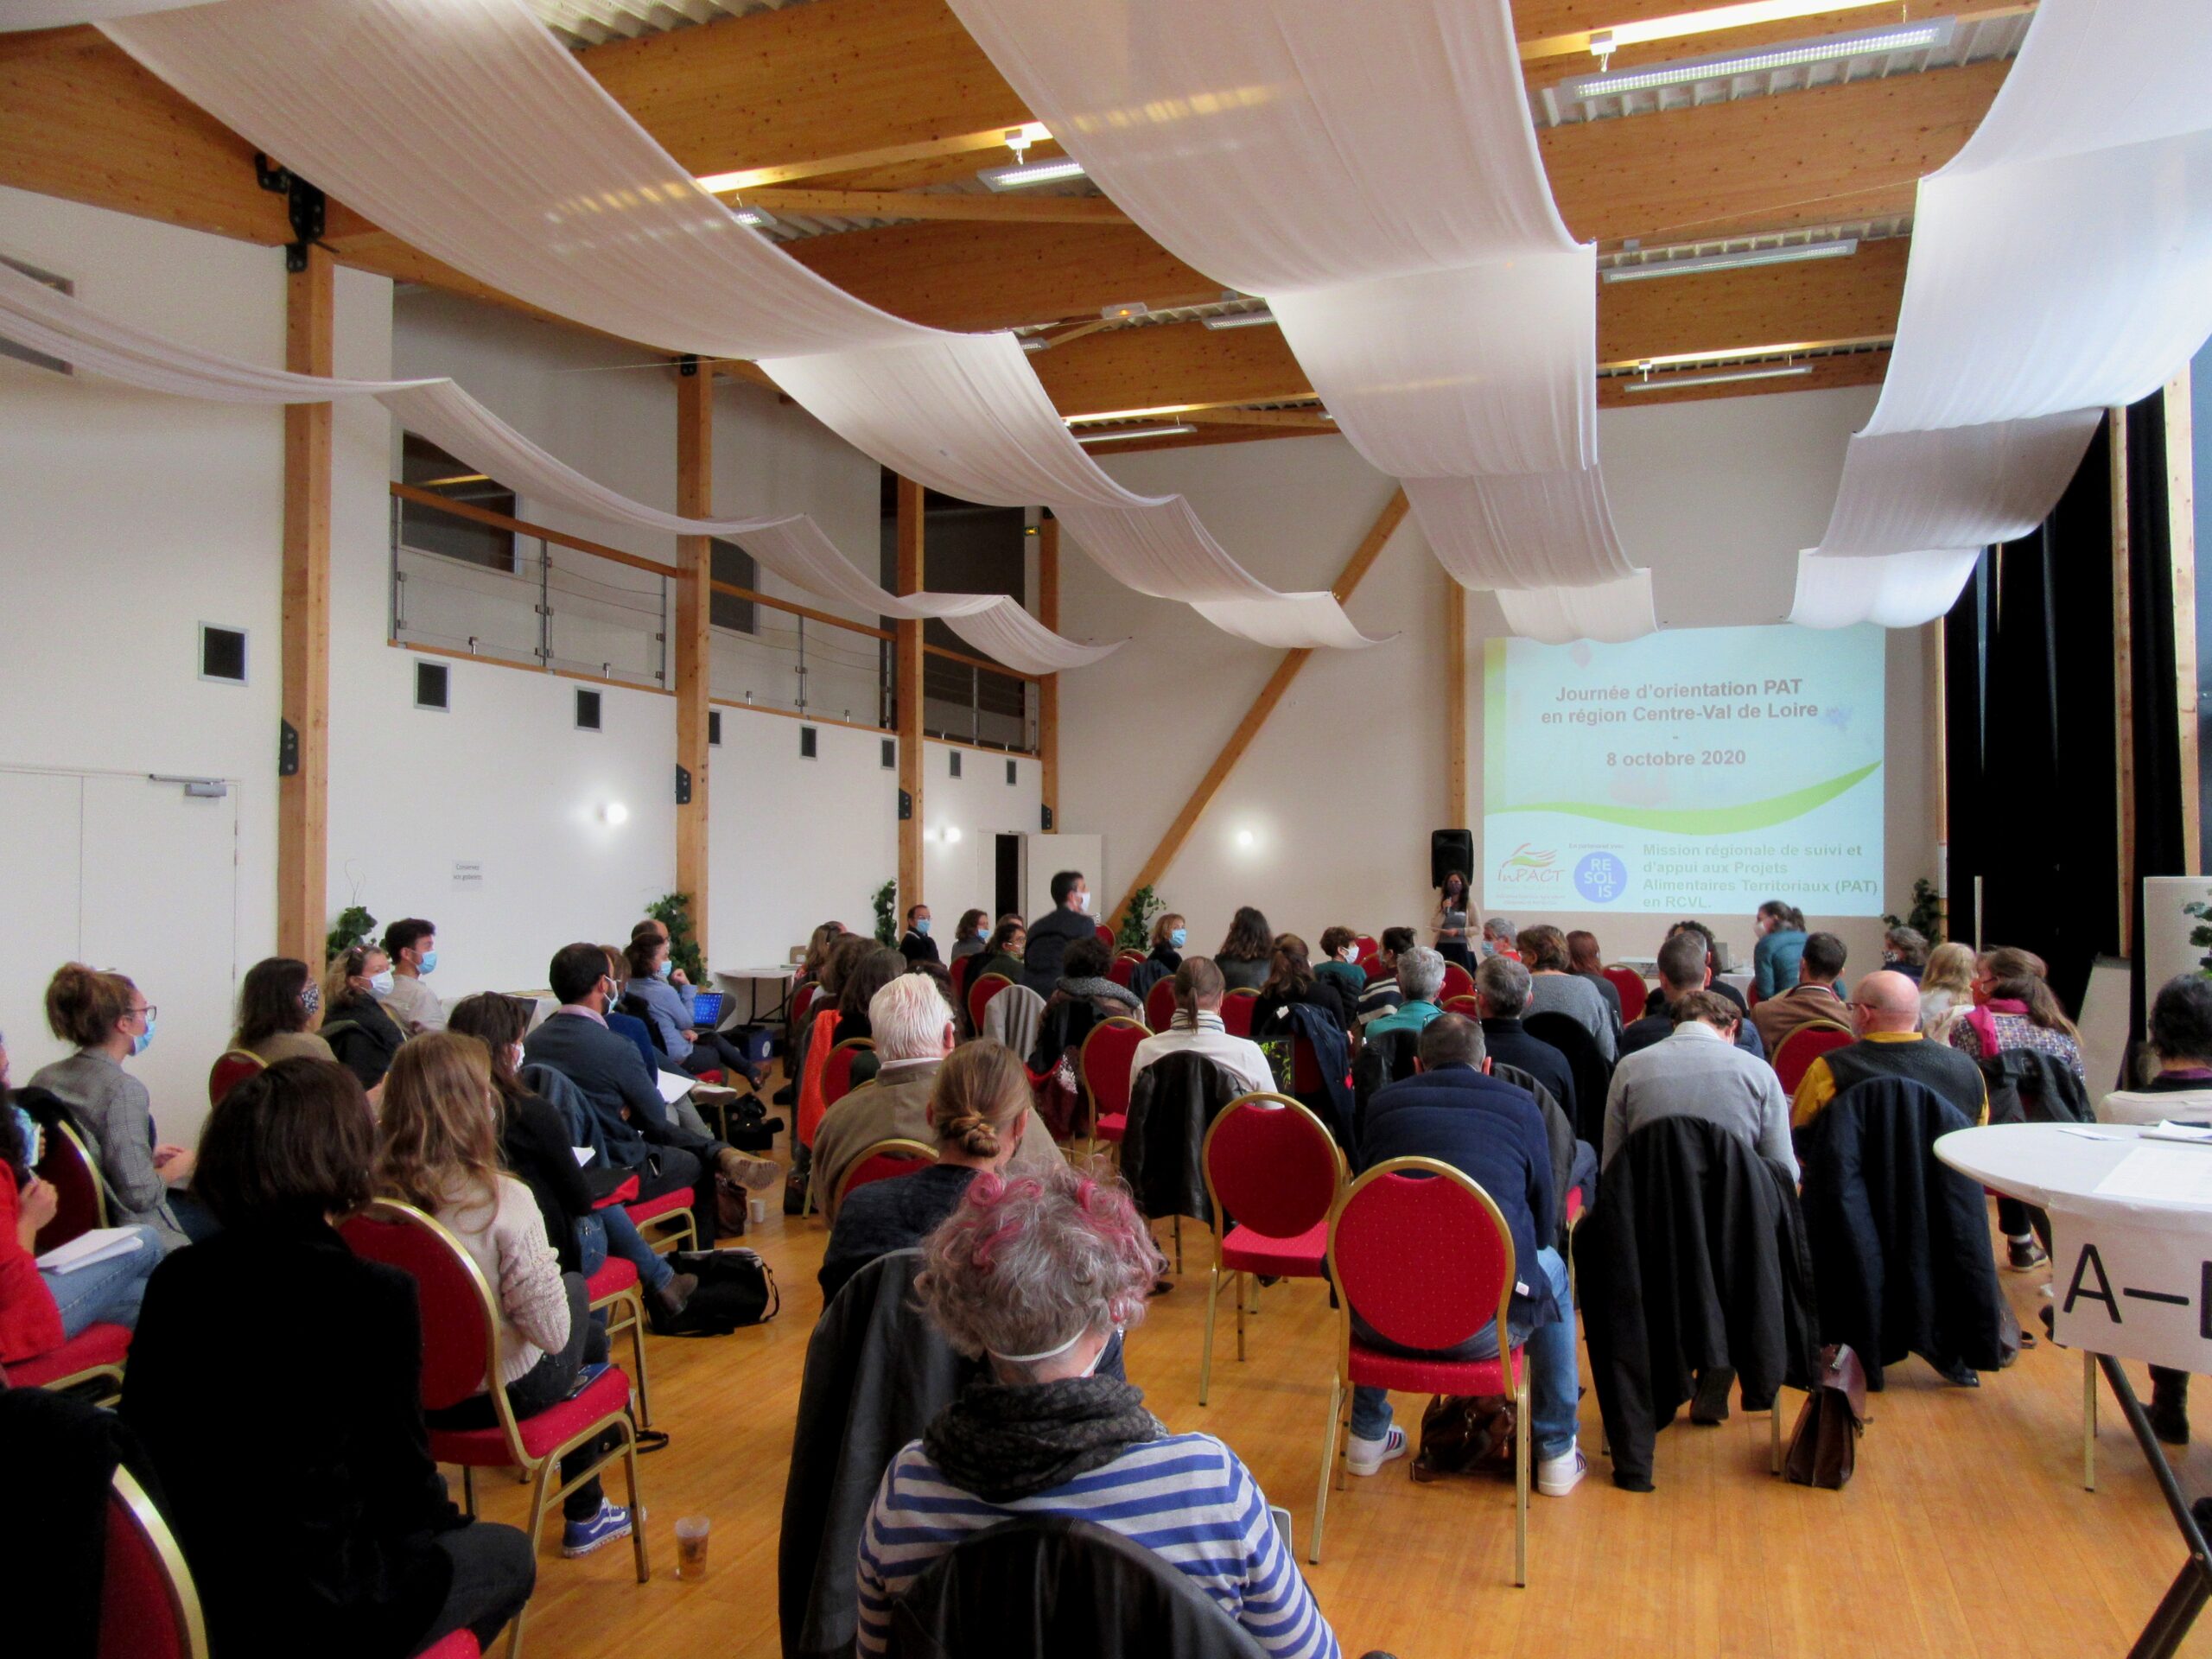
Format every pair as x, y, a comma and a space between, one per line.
1036, 1276
1421, 980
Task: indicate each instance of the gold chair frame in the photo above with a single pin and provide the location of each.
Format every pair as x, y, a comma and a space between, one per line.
184, 1595
897, 1145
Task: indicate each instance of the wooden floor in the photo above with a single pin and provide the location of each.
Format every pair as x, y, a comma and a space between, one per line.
1966, 1532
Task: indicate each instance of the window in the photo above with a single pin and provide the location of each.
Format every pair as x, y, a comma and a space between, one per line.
430, 686
890, 754
24, 354
806, 737
955, 762
222, 654
713, 728
1010, 774
587, 710
426, 467
731, 564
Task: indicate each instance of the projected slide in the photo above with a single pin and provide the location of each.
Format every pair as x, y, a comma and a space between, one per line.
1691, 773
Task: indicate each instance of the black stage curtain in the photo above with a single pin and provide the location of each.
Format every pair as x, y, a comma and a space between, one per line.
2159, 845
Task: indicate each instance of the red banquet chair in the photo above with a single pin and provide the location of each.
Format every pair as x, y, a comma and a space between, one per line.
1123, 967
1470, 1005
462, 1347
96, 1354
666, 1222
1105, 935
1273, 1173
1458, 981
1632, 989
885, 1160
232, 1067
1425, 1259
803, 1004
1368, 947
71, 1171
1804, 1046
837, 1070
1237, 1012
958, 973
1159, 1004
459, 1644
616, 1290
1371, 965
1109, 1052
979, 995
148, 1607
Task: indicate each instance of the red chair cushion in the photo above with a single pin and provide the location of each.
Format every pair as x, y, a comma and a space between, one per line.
1573, 1205
625, 1193
1458, 981
1801, 1048
1122, 968
1159, 1004
884, 1166
138, 1620
666, 1204
1420, 1259
1112, 1126
486, 1448
1246, 1251
614, 1276
1371, 1369
462, 1645
1371, 965
95, 1345
1236, 1013
1274, 1169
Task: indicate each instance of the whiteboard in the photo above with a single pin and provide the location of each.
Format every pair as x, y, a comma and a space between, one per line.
2103, 1025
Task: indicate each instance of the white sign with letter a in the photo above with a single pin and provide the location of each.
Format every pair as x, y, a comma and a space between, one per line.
2132, 1291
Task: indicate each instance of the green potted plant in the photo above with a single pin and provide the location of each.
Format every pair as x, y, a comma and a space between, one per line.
1133, 930
673, 911
354, 926
887, 915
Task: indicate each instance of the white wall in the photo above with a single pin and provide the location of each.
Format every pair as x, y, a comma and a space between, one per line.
1345, 783
962, 873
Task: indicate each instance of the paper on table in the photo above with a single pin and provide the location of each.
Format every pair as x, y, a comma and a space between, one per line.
674, 1085
2160, 1175
100, 1244
2196, 1133
584, 1156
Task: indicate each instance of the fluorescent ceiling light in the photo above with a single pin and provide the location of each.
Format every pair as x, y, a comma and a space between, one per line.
1242, 320
1779, 373
1035, 343
1868, 42
1747, 14
1109, 434
1023, 174
1837, 250
753, 216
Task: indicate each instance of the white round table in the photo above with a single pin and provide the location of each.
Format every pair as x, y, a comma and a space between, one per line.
2041, 1164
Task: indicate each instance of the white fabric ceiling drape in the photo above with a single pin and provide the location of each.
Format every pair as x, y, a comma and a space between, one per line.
61, 14
462, 127
2061, 263
792, 545
1372, 172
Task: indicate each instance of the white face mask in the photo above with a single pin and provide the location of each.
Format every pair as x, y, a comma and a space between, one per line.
514, 1056
1083, 901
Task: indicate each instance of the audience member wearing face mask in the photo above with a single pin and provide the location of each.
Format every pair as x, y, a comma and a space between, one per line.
279, 1007
1169, 936
669, 998
109, 1021
412, 946
1051, 934
355, 1023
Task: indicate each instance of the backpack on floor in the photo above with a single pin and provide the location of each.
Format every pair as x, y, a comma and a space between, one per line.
736, 1289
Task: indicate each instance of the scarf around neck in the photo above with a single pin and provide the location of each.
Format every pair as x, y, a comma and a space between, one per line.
1005, 1441
1095, 988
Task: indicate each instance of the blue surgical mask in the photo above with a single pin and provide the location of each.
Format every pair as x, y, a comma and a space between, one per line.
27, 1127
1177, 937
1489, 949
429, 963
665, 968
381, 984
922, 927
144, 1039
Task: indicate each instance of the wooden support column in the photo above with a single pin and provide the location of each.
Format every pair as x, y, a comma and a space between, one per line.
2181, 508
695, 570
1455, 707
303, 795
1362, 561
1048, 688
2123, 670
909, 698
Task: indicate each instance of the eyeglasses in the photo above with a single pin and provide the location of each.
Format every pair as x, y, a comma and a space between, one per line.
150, 1014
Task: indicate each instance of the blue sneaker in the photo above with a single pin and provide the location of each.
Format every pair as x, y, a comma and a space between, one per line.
581, 1537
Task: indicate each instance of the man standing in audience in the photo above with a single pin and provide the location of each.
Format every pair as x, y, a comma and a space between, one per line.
1421, 979
575, 1041
1813, 998
412, 944
1050, 935
917, 946
1885, 1013
1502, 987
1699, 1073
1685, 965
1197, 1029
913, 1031
1493, 1134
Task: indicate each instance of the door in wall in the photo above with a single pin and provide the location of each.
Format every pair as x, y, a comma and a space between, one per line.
1005, 897
121, 872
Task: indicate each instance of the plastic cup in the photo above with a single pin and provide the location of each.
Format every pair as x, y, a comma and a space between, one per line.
757, 1209
692, 1546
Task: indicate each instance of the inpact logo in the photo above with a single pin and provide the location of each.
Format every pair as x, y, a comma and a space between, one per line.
1525, 866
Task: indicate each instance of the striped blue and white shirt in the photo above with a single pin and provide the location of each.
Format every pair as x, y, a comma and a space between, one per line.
1186, 1498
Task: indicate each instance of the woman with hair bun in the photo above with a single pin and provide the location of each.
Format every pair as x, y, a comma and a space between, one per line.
108, 1019
1036, 1277
980, 1112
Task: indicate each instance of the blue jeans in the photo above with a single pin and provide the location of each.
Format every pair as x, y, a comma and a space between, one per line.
107, 1292
1555, 1382
611, 1231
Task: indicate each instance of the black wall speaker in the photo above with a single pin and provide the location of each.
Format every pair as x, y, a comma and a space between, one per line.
1450, 850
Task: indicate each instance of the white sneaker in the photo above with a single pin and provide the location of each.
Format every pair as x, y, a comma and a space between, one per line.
1557, 1477
1365, 1457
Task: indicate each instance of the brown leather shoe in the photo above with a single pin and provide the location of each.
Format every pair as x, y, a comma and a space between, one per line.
670, 1297
755, 1174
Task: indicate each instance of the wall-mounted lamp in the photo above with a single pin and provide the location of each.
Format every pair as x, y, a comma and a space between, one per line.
614, 812
952, 832
1246, 838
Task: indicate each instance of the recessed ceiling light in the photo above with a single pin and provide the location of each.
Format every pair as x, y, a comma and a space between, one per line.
1908, 37
1668, 382
1242, 320
1791, 255
1108, 434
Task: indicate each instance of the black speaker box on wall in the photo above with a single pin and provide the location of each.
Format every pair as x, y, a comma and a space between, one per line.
1450, 850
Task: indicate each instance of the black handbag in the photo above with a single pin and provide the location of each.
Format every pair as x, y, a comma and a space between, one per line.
736, 1289
1824, 1445
1465, 1435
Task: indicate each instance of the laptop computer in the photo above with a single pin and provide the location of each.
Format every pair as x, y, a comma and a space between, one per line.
707, 1010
